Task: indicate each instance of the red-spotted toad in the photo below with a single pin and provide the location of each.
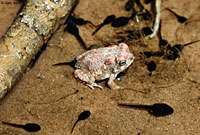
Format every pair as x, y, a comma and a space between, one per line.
102, 63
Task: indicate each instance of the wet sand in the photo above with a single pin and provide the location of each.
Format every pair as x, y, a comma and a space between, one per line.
53, 98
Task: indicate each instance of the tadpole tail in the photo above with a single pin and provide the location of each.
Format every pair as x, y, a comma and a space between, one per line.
71, 63
91, 23
74, 5
173, 12
78, 37
97, 29
149, 54
71, 11
13, 125
135, 106
191, 42
74, 126
62, 63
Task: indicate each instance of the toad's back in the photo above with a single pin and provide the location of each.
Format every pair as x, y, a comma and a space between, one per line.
94, 61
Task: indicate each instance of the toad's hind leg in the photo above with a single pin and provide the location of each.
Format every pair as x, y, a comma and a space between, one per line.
86, 77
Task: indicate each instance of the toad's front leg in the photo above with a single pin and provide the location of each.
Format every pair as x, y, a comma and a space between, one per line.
86, 77
111, 82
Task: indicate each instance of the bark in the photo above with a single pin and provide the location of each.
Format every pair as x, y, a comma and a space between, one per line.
31, 29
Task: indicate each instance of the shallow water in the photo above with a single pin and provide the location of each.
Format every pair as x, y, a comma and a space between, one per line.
53, 98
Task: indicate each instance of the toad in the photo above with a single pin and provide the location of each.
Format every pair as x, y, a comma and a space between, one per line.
103, 63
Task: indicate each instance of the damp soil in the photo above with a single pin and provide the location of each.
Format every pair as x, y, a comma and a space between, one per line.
51, 96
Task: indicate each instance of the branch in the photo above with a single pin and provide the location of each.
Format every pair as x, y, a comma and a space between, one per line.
32, 28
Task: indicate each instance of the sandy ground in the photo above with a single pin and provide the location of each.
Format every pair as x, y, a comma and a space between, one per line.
53, 98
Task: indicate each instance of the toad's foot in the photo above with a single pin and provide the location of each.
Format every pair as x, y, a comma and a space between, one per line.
116, 87
111, 82
94, 85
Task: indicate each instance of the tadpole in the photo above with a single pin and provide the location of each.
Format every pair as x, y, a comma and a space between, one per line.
122, 21
158, 110
151, 66
84, 115
129, 5
80, 21
181, 19
147, 31
30, 127
146, 15
73, 29
178, 47
107, 20
174, 51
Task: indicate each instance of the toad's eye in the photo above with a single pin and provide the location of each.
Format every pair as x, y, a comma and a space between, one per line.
122, 63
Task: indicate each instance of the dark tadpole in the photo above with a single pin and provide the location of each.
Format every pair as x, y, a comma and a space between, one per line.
71, 63
80, 21
180, 19
30, 127
122, 21
173, 52
163, 44
107, 20
129, 5
158, 110
73, 29
146, 15
147, 31
151, 66
84, 115
178, 47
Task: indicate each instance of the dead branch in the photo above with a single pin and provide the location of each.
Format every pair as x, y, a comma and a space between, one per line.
32, 28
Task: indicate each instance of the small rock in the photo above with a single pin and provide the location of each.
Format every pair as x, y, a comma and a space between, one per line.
40, 76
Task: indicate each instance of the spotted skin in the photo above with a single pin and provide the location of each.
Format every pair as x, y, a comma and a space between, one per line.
103, 63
